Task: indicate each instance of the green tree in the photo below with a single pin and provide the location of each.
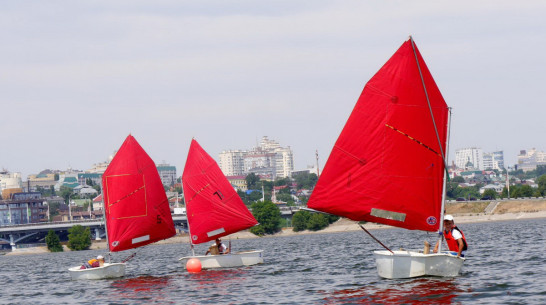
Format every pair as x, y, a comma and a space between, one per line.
317, 221
53, 242
299, 220
458, 179
491, 193
252, 181
65, 192
285, 198
541, 181
79, 238
269, 217
306, 180
540, 171
504, 193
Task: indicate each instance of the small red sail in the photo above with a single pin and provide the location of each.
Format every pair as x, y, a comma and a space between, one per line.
213, 207
136, 206
386, 166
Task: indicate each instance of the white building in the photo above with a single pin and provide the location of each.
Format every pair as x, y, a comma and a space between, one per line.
529, 160
469, 158
269, 158
494, 160
232, 162
167, 174
10, 180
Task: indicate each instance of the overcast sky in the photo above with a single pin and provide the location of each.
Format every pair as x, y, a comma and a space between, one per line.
76, 77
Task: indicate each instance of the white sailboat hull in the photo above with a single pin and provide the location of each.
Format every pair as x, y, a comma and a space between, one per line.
246, 258
408, 264
107, 271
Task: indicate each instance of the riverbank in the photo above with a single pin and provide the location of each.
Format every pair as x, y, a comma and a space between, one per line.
464, 212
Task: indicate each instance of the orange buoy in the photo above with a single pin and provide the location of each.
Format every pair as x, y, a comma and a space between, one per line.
193, 265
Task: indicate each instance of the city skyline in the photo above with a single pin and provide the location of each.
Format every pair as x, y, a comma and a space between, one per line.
78, 80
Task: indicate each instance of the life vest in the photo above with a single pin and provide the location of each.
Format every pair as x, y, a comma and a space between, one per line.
93, 263
452, 243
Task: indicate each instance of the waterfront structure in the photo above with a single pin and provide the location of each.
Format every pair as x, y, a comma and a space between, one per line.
23, 208
267, 159
529, 160
167, 174
469, 158
493, 160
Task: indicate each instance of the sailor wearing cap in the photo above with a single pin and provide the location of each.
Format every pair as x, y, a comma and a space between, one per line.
454, 237
93, 263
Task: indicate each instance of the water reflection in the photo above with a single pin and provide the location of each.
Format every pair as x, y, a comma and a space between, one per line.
217, 277
416, 291
143, 287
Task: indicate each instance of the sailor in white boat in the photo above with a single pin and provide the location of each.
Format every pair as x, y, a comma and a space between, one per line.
454, 237
217, 248
94, 263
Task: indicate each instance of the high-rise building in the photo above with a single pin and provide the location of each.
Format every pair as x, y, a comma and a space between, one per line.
269, 159
469, 158
529, 160
493, 160
232, 162
167, 173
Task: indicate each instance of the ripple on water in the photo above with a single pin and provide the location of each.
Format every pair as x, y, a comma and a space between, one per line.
504, 265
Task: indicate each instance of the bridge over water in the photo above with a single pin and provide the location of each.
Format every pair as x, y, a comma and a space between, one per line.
19, 233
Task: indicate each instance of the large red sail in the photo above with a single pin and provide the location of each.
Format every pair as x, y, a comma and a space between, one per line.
136, 206
386, 166
213, 207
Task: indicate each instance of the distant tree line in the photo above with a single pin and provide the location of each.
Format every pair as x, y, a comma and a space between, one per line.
304, 220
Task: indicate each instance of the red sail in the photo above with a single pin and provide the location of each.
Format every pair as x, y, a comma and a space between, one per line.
213, 207
136, 206
386, 166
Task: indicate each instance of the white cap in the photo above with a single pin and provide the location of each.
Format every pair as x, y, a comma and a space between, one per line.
100, 257
448, 217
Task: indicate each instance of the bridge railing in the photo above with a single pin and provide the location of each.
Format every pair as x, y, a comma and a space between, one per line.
36, 224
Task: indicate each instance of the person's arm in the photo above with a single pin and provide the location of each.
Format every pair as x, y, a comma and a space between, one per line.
461, 246
436, 247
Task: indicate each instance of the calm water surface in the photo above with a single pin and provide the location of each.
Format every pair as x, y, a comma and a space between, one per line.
505, 264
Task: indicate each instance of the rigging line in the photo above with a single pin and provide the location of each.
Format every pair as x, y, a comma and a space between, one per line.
350, 155
429, 106
413, 139
377, 240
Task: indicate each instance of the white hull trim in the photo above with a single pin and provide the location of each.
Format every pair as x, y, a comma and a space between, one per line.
107, 271
408, 264
246, 258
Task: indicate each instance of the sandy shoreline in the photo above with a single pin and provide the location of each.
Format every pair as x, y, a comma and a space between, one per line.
342, 225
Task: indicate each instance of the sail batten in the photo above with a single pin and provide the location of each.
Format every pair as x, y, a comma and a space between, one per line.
136, 207
213, 207
387, 164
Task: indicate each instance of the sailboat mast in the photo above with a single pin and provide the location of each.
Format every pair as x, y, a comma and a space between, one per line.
444, 189
104, 217
188, 222
428, 102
